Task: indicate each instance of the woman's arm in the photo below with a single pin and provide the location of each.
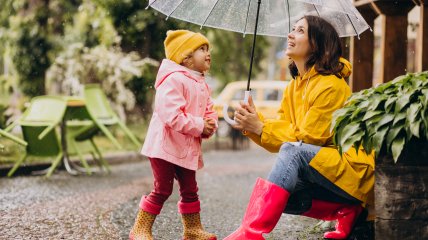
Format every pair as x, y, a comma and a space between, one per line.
314, 127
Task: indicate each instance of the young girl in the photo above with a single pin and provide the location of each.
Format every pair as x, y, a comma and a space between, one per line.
183, 115
309, 177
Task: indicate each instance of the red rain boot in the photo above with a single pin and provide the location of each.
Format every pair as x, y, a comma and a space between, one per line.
345, 214
263, 212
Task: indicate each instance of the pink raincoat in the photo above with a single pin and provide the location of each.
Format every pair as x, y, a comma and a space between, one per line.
182, 101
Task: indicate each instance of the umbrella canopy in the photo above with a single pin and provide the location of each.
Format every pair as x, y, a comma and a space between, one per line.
276, 17
264, 17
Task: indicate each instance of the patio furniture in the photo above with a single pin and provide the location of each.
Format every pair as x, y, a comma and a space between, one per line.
38, 128
80, 130
10, 136
102, 114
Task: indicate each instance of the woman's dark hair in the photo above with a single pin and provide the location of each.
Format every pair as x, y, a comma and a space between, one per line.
326, 48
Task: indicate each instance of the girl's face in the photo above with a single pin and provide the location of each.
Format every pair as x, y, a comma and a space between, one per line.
200, 60
298, 47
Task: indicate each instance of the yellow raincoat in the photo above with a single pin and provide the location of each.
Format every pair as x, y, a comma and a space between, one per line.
306, 115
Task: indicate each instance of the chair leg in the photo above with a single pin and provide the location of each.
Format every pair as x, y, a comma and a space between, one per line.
102, 160
108, 134
82, 159
15, 167
54, 165
129, 133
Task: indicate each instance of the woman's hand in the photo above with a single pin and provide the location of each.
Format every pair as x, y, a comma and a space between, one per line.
247, 118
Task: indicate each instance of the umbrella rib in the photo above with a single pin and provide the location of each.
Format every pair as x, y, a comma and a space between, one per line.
316, 9
150, 4
289, 17
349, 18
174, 9
209, 13
246, 19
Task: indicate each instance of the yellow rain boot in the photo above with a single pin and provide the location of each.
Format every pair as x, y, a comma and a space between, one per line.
193, 229
142, 229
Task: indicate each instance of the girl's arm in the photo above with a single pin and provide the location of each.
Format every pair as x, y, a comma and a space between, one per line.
212, 114
170, 106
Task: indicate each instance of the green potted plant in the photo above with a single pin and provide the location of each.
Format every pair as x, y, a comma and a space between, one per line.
392, 120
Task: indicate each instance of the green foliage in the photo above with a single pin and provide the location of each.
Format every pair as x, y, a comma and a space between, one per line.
232, 63
34, 32
91, 26
2, 116
109, 67
29, 53
385, 119
29, 31
144, 31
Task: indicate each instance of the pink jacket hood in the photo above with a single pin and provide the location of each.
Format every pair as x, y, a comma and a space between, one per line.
168, 67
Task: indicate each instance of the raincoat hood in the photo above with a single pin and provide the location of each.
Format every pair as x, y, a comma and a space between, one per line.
169, 67
347, 68
345, 72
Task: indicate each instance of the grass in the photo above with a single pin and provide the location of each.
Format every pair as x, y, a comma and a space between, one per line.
11, 152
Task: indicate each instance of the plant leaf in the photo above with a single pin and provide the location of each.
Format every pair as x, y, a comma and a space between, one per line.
379, 138
392, 134
399, 117
352, 140
413, 111
348, 131
385, 119
390, 103
370, 114
415, 128
402, 102
397, 147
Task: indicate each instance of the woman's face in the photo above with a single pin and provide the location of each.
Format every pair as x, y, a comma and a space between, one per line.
298, 47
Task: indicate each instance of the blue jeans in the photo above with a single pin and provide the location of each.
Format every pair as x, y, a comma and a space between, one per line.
293, 173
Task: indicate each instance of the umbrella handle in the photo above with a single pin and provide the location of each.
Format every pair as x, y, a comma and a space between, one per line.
225, 107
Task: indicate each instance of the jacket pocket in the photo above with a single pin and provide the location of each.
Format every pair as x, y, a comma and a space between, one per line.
175, 143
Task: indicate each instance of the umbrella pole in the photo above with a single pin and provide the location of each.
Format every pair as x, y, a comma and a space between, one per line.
254, 45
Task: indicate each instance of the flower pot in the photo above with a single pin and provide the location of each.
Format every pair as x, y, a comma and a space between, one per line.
401, 195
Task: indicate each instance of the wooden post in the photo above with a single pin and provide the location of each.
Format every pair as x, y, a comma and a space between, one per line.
362, 51
394, 37
422, 40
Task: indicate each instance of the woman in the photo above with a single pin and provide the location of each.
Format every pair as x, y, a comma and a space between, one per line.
309, 177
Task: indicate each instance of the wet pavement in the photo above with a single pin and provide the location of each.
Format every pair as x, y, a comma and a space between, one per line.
103, 206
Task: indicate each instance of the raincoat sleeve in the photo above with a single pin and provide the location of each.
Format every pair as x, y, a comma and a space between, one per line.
211, 113
271, 139
170, 105
314, 128
275, 132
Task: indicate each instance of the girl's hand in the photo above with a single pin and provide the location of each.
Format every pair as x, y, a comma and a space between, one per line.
247, 118
209, 126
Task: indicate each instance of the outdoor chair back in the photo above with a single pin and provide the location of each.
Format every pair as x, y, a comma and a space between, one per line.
38, 124
103, 115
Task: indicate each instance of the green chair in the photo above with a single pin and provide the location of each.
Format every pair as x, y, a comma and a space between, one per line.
80, 131
38, 124
103, 115
12, 137
80, 139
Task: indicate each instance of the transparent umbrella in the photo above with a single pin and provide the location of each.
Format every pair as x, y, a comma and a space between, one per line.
263, 17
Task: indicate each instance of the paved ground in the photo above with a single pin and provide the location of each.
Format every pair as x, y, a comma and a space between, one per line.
104, 206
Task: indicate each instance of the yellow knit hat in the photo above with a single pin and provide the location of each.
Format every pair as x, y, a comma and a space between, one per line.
180, 43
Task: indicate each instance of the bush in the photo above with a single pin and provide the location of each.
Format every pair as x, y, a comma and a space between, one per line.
386, 119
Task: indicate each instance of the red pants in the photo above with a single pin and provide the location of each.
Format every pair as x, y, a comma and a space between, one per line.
164, 173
